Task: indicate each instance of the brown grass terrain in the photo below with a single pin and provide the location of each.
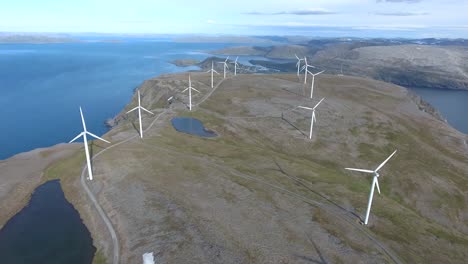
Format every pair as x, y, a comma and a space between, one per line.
262, 192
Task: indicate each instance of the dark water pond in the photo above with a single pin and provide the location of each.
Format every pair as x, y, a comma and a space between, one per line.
48, 230
191, 126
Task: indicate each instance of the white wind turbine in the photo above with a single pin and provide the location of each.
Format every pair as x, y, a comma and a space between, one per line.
139, 107
298, 64
235, 66
225, 66
313, 119
190, 88
313, 81
375, 182
212, 71
85, 140
305, 68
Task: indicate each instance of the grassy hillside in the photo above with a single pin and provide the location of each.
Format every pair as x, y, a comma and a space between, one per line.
262, 192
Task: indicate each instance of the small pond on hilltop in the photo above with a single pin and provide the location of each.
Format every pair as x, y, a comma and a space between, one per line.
191, 126
48, 230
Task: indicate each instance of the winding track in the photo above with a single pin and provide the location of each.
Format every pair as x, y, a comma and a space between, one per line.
335, 209
92, 197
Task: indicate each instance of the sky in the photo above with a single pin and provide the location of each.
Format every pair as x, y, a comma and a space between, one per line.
325, 18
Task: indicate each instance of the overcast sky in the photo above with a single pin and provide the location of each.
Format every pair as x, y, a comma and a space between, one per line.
372, 18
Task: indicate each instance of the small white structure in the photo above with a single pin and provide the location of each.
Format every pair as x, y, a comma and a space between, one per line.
314, 119
139, 107
225, 66
85, 140
212, 71
375, 183
148, 258
190, 88
298, 64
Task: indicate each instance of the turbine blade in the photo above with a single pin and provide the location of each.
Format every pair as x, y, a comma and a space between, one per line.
79, 135
133, 109
314, 117
360, 170
226, 59
91, 134
383, 163
144, 109
184, 90
236, 59
296, 56
215, 72
318, 103
377, 184
195, 90
303, 107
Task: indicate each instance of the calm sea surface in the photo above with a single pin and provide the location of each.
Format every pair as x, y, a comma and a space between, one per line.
42, 86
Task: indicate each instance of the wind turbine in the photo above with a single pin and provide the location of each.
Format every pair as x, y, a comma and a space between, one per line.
314, 119
306, 69
313, 80
139, 107
85, 140
225, 65
298, 64
375, 182
212, 71
235, 66
190, 88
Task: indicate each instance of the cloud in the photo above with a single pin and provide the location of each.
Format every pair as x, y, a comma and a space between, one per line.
303, 12
399, 1
209, 21
402, 14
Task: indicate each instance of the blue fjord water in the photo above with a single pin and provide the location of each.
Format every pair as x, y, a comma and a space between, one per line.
452, 104
48, 230
42, 86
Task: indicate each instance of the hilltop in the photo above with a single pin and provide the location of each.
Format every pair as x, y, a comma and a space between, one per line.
261, 191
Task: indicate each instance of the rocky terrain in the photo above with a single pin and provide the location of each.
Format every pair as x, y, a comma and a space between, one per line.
185, 63
262, 192
429, 63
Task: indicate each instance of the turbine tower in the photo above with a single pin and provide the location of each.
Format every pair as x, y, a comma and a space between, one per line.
375, 183
313, 119
190, 88
139, 107
225, 66
313, 81
212, 71
85, 140
235, 66
298, 64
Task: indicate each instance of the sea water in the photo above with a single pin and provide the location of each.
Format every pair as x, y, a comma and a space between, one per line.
43, 85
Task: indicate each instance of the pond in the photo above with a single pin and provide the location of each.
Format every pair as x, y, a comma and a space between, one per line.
191, 126
48, 230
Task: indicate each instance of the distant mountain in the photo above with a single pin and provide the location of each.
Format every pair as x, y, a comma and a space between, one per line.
34, 38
